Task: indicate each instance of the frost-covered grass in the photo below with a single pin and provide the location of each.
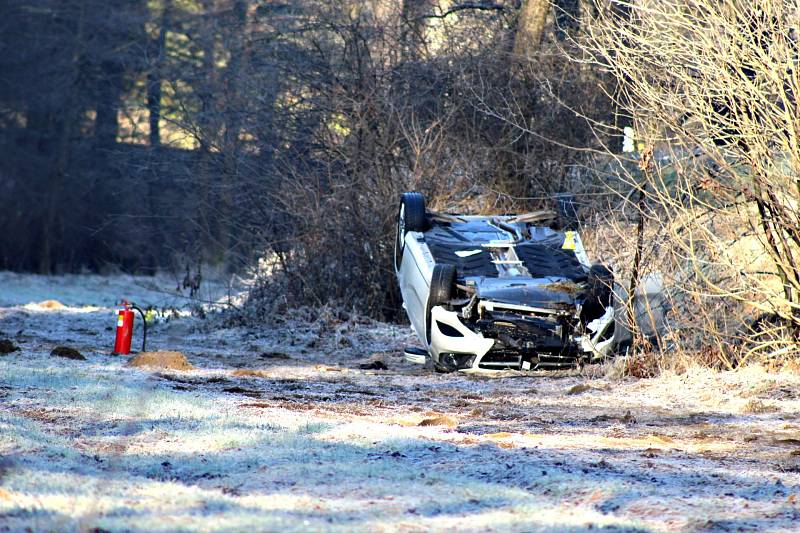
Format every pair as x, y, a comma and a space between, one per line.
312, 443
88, 290
100, 445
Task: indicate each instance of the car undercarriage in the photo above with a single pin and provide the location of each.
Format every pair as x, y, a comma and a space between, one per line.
499, 292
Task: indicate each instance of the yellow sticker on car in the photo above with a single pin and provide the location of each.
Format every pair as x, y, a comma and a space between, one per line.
569, 240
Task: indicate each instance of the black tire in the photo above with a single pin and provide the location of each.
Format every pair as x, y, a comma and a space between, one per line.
410, 217
414, 204
600, 281
443, 281
599, 292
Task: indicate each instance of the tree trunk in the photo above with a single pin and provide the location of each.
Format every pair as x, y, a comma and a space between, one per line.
106, 124
53, 224
531, 22
239, 49
412, 37
156, 58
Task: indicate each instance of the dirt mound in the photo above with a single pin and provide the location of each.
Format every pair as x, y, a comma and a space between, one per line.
51, 304
67, 352
446, 421
6, 346
161, 359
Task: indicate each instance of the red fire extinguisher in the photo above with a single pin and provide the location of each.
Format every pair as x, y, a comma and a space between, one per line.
122, 344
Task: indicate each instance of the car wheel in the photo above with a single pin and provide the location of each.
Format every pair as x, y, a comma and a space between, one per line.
600, 281
410, 217
443, 282
599, 292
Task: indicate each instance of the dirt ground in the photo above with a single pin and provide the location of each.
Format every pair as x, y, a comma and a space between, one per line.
277, 429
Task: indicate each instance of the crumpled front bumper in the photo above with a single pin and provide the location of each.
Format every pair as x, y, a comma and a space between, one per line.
453, 340
468, 343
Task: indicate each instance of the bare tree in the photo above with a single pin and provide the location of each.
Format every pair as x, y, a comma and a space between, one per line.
226, 130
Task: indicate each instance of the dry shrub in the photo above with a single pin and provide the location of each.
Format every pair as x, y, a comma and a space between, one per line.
792, 366
710, 89
757, 407
446, 124
642, 364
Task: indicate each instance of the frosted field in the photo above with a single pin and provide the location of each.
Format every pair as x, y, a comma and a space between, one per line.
279, 430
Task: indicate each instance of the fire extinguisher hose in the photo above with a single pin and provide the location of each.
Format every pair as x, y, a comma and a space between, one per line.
144, 324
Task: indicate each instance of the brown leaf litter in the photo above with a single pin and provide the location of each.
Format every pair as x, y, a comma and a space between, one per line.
250, 373
564, 286
326, 368
755, 406
579, 388
499, 439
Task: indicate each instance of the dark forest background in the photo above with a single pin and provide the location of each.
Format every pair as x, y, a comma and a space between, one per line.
155, 134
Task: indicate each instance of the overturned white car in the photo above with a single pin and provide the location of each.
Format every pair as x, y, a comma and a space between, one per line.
502, 292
